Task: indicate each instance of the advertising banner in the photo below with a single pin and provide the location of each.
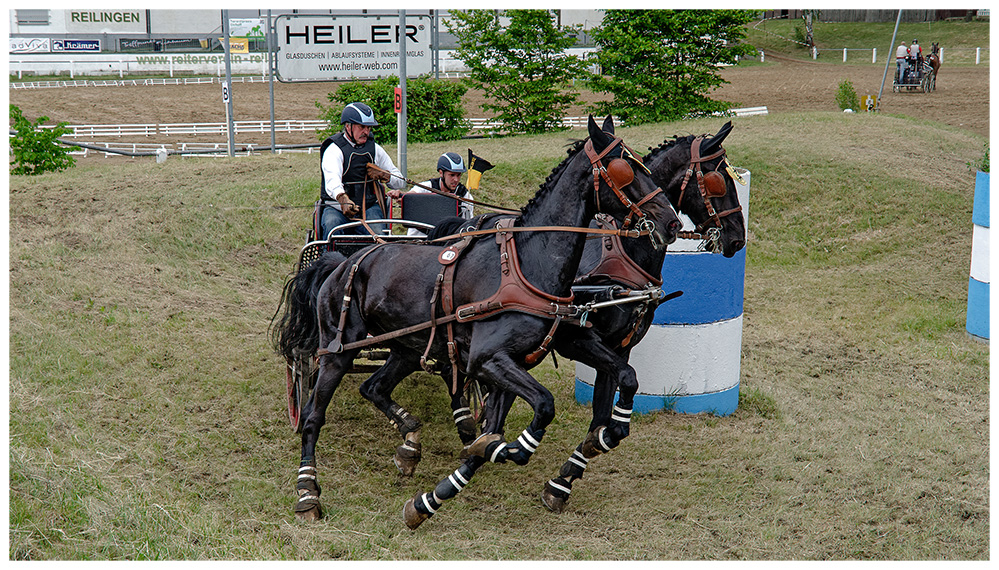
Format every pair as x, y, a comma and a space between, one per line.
237, 45
77, 46
30, 45
247, 28
336, 48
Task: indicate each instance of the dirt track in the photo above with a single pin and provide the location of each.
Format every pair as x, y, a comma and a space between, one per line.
961, 99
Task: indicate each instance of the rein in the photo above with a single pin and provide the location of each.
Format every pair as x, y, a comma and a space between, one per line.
448, 194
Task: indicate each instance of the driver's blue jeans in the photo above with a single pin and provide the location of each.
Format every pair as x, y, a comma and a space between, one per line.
332, 218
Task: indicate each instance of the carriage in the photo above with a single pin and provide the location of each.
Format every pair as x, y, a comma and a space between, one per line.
923, 80
420, 212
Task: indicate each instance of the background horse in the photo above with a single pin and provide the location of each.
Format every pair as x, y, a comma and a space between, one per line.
933, 60
391, 287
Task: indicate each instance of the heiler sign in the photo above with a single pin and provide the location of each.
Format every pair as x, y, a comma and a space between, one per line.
335, 48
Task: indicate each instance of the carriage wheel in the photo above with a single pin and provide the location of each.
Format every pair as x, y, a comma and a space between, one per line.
301, 377
475, 398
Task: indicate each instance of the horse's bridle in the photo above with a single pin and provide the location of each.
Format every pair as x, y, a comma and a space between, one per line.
710, 185
618, 174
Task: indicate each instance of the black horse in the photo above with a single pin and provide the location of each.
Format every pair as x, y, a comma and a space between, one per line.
682, 167
695, 175
393, 288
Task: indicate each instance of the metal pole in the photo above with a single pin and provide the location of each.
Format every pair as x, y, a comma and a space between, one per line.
228, 81
436, 40
402, 87
887, 63
270, 74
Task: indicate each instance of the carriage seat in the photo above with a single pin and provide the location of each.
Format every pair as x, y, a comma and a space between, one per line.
428, 208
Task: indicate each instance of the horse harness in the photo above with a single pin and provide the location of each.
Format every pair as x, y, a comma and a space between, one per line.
616, 265
515, 292
710, 185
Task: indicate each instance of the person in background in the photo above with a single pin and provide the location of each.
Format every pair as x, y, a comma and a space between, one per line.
347, 188
916, 57
450, 167
901, 67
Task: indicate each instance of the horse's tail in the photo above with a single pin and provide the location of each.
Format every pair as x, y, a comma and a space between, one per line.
296, 331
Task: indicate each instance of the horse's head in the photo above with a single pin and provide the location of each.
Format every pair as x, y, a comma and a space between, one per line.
696, 176
625, 188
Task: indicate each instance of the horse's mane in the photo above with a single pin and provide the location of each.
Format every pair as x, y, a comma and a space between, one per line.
668, 144
575, 146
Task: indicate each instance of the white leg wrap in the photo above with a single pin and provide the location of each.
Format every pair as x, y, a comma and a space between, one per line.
426, 503
621, 415
600, 439
528, 442
499, 448
462, 414
562, 488
578, 459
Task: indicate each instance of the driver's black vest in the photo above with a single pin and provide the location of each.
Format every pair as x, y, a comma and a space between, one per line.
355, 160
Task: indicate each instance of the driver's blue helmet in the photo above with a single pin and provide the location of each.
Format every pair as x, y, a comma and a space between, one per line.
451, 162
359, 114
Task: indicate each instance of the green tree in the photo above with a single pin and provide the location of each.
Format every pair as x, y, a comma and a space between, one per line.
433, 108
35, 149
660, 65
846, 96
521, 65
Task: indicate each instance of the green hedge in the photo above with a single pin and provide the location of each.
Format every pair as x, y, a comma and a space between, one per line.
433, 108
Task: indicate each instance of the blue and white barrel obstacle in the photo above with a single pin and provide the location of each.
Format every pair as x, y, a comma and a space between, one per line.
689, 361
978, 283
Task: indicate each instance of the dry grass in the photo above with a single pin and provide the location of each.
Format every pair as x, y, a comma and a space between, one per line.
148, 412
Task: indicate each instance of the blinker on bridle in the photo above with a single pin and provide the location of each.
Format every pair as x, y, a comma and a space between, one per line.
617, 174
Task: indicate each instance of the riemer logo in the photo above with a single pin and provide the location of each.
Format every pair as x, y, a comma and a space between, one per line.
76, 45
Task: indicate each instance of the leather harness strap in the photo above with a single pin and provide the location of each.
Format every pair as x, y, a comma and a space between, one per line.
696, 164
616, 264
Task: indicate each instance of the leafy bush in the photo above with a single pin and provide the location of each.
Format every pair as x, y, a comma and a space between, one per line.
982, 163
522, 65
36, 150
433, 108
846, 96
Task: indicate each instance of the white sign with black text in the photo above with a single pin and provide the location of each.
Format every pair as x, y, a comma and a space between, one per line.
335, 48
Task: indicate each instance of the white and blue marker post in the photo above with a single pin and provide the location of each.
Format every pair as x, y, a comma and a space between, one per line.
978, 282
690, 360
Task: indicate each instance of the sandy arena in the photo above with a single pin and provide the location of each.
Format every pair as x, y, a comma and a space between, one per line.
961, 99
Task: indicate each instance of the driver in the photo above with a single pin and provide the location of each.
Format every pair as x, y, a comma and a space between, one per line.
916, 56
345, 184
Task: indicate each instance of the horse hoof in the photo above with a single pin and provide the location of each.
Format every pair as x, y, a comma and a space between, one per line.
407, 457
413, 517
309, 510
551, 502
478, 447
467, 430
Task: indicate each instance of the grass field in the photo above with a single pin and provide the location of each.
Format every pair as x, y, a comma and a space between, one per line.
959, 39
147, 410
